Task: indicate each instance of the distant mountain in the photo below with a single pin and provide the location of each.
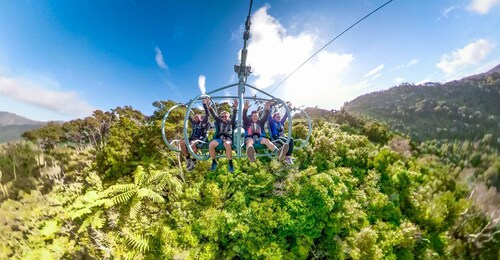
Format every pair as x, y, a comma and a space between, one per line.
12, 126
466, 109
485, 74
7, 118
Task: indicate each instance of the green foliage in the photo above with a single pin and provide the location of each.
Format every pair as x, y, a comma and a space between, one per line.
354, 193
458, 110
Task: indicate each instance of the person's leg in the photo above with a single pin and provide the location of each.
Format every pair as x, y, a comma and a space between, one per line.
250, 149
267, 143
290, 147
282, 151
211, 149
184, 148
192, 161
194, 147
229, 150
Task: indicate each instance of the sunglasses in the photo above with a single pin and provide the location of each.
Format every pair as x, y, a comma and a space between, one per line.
224, 116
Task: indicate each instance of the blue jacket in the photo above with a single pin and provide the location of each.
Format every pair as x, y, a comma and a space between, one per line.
277, 127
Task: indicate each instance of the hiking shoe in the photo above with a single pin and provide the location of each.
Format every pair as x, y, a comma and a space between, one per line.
230, 167
289, 161
251, 153
214, 166
282, 152
190, 165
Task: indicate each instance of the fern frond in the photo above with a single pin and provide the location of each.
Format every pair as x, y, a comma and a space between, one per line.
131, 255
175, 185
97, 220
79, 213
156, 176
84, 225
98, 203
147, 193
135, 207
118, 188
139, 175
138, 242
122, 198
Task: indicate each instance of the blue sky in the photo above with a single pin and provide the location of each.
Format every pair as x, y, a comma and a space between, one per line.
61, 60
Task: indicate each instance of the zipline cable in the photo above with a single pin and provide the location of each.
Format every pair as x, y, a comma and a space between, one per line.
360, 20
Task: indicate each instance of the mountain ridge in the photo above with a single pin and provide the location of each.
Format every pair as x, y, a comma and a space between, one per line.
8, 118
465, 109
12, 126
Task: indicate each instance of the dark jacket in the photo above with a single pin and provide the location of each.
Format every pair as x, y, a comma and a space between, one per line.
254, 129
199, 128
223, 129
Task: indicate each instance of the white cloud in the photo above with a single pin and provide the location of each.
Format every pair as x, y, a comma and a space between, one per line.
472, 54
482, 6
409, 64
412, 62
375, 71
446, 11
399, 80
201, 83
362, 85
34, 93
273, 54
160, 61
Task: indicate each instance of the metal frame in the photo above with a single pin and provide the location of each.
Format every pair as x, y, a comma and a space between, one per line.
243, 72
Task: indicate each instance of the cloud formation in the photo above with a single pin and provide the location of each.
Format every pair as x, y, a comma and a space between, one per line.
201, 83
482, 6
160, 61
399, 80
63, 102
446, 11
472, 54
273, 54
412, 62
375, 71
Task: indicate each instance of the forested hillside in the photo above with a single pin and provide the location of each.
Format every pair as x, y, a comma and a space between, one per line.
106, 187
464, 110
12, 126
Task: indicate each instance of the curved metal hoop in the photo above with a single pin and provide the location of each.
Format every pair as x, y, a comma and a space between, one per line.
303, 143
164, 136
238, 142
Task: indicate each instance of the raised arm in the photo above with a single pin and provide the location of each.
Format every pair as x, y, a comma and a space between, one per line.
285, 116
270, 116
235, 110
266, 113
245, 112
211, 110
205, 107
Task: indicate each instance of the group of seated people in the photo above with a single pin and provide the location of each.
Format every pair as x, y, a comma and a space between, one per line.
225, 126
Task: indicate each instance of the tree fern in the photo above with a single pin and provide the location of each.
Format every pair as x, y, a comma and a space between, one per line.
86, 223
79, 213
139, 176
123, 197
137, 241
147, 193
118, 188
135, 207
97, 220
